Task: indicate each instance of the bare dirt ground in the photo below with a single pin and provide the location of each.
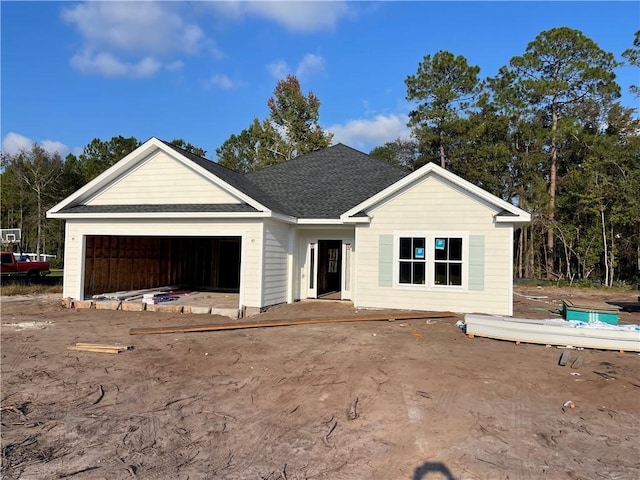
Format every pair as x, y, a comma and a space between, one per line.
408, 400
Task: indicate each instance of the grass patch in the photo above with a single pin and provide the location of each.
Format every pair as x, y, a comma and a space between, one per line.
9, 289
583, 285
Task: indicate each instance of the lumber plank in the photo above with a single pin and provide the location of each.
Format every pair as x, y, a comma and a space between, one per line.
104, 345
93, 349
278, 323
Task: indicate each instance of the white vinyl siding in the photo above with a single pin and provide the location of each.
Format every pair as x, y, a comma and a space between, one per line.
161, 179
441, 208
276, 263
250, 233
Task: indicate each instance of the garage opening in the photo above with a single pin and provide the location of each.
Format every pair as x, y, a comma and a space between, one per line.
118, 263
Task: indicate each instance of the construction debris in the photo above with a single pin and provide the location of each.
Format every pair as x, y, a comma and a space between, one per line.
577, 363
99, 347
278, 323
129, 295
154, 298
352, 414
577, 334
590, 311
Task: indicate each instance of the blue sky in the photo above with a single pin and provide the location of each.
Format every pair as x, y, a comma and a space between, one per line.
201, 71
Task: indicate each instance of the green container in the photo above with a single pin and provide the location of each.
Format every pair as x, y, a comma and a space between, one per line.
590, 312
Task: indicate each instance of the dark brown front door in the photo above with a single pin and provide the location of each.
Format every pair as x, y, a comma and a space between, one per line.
329, 266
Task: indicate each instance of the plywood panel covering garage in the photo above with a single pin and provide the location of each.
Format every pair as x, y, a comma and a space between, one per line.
116, 263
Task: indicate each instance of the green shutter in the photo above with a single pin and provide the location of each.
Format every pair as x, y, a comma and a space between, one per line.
385, 261
476, 262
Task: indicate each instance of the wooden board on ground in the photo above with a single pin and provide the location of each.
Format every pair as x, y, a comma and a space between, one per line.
99, 347
280, 323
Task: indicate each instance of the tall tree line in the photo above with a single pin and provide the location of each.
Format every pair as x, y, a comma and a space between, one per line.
34, 180
546, 133
291, 130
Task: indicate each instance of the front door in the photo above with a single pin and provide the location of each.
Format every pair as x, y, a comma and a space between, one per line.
329, 267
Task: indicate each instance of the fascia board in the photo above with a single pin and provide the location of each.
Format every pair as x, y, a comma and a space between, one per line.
147, 215
319, 221
525, 218
356, 219
283, 218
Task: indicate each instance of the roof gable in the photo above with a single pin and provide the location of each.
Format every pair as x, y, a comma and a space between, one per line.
506, 212
325, 183
161, 165
161, 179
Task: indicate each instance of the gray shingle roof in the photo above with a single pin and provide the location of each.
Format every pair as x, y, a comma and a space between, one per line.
322, 184
325, 183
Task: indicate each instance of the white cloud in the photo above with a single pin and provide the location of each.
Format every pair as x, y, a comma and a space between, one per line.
278, 69
13, 143
53, 146
222, 82
147, 27
299, 16
177, 65
110, 66
309, 65
366, 133
143, 32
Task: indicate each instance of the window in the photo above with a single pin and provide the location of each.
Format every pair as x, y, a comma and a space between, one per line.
412, 260
447, 261
429, 260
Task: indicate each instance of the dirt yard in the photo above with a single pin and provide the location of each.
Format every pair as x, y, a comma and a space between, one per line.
414, 400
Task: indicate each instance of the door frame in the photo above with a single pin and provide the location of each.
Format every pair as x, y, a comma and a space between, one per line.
313, 260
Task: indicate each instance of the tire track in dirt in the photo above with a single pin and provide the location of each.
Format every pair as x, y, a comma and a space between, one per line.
276, 427
521, 425
14, 361
446, 400
520, 420
142, 452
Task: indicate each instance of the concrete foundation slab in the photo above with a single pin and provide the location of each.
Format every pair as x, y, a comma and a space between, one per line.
107, 305
196, 309
132, 306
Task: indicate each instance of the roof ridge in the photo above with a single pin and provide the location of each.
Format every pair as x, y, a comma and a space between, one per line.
188, 154
305, 156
